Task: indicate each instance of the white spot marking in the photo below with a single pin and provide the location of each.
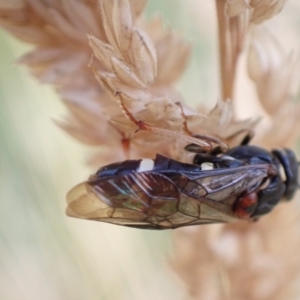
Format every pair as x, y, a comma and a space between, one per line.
227, 157
207, 166
146, 164
282, 172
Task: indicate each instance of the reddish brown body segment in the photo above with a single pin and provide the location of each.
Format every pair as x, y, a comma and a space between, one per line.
246, 205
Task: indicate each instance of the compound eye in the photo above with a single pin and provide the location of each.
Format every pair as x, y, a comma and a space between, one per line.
290, 165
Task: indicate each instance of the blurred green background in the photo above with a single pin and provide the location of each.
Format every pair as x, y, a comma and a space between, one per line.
43, 253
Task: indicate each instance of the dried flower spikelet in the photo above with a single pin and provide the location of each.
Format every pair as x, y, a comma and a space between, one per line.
246, 261
61, 56
285, 123
131, 80
143, 69
221, 122
276, 77
259, 10
265, 9
274, 73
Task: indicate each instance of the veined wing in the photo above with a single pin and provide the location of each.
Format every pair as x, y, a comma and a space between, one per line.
153, 200
221, 184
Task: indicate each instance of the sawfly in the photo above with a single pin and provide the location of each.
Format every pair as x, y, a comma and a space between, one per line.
244, 182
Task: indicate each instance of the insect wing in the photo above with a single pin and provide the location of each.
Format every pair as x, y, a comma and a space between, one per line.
219, 189
141, 200
153, 200
221, 184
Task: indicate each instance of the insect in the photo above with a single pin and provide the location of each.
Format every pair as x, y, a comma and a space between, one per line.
244, 182
220, 185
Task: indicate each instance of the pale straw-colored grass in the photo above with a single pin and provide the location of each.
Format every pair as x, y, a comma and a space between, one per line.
111, 69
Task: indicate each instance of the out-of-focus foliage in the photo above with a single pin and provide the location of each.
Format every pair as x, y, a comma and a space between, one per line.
43, 253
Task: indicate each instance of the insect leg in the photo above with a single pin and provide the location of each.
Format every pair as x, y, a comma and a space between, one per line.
246, 140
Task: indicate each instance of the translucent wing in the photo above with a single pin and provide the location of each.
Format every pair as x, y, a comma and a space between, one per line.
162, 200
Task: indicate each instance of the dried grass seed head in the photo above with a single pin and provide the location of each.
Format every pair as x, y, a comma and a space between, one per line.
274, 72
259, 10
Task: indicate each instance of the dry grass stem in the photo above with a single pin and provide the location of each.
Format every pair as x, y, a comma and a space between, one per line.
234, 19
231, 39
